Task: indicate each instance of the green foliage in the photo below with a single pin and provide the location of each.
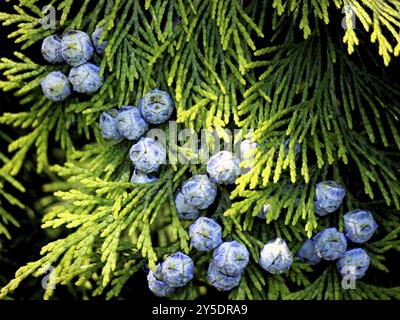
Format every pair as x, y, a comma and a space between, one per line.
227, 64
319, 95
7, 199
381, 18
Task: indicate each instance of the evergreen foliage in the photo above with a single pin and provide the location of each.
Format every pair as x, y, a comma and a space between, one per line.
8, 185
281, 68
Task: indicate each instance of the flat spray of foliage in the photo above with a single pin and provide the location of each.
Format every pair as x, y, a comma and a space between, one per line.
279, 67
